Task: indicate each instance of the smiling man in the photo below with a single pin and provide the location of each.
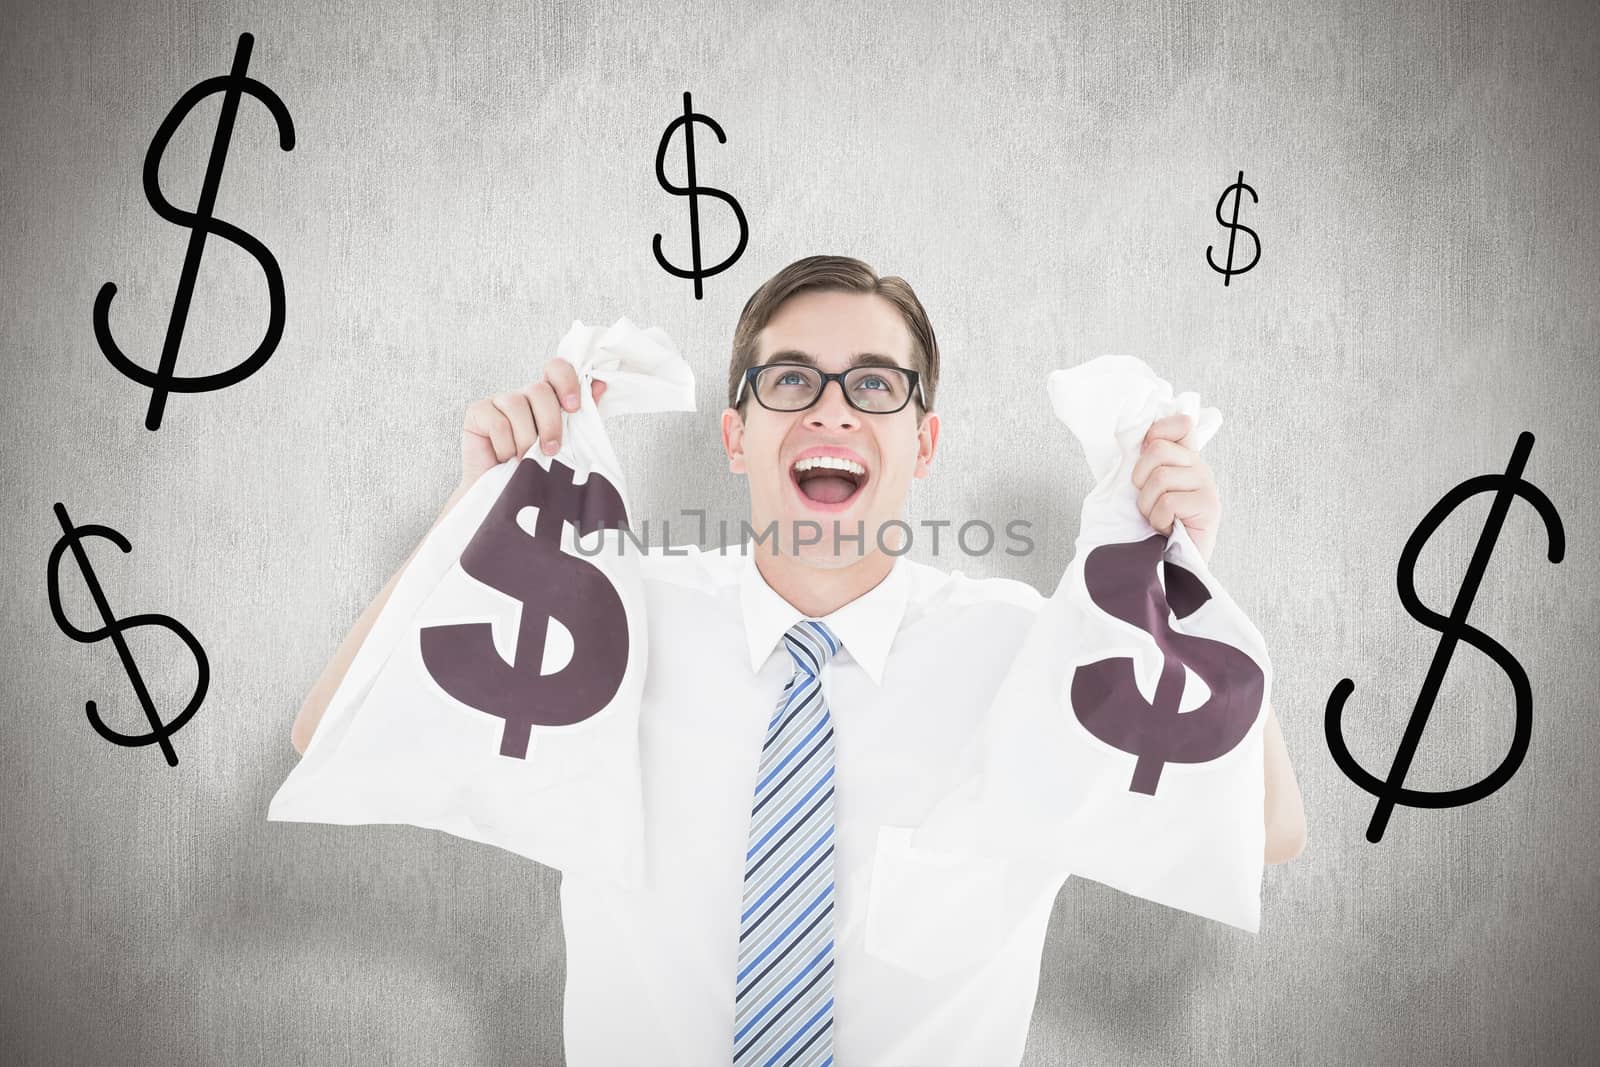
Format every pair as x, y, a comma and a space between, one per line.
842, 460
807, 703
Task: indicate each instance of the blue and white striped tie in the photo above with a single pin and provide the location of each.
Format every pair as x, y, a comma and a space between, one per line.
783, 1014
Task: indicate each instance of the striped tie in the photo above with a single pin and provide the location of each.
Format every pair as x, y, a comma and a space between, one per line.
783, 1014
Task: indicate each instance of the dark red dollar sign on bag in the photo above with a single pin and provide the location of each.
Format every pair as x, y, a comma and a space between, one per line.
1122, 581
551, 584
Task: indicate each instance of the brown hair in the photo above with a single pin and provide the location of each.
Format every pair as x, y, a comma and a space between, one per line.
833, 273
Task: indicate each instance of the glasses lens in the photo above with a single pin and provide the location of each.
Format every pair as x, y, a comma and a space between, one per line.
877, 388
787, 387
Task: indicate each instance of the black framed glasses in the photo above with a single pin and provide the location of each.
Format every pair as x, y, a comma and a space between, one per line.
876, 390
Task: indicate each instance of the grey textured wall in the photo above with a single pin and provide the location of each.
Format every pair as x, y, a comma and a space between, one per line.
465, 183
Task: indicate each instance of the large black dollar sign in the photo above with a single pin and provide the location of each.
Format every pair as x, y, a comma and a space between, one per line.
1228, 270
551, 584
687, 121
72, 537
1121, 580
163, 380
1453, 629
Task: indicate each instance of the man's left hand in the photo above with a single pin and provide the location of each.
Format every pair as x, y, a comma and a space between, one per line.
1175, 483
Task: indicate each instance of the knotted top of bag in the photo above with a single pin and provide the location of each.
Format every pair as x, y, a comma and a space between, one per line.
1109, 403
642, 369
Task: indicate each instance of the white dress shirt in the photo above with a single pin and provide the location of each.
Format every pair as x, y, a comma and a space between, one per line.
936, 954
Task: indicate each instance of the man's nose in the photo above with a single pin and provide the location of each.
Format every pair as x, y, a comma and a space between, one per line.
832, 408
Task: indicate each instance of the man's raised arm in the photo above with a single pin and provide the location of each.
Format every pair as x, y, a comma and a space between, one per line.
1285, 814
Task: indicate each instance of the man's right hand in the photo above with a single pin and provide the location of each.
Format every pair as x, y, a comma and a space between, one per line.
506, 425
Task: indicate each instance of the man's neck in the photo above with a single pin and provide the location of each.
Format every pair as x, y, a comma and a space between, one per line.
820, 591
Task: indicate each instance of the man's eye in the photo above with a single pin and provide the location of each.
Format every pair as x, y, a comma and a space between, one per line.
784, 378
881, 383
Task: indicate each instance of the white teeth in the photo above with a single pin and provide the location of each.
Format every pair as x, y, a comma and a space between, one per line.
832, 463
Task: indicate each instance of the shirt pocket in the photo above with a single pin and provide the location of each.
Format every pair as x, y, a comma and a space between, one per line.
932, 912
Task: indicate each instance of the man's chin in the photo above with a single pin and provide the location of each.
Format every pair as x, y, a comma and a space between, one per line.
820, 557
829, 539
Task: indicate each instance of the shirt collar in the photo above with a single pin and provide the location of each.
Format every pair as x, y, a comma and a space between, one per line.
866, 625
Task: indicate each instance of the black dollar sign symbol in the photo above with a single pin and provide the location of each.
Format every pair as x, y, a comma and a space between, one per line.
163, 380
687, 121
1234, 227
551, 584
1121, 579
1453, 629
72, 537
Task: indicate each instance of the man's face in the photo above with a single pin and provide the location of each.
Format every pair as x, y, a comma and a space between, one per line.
835, 330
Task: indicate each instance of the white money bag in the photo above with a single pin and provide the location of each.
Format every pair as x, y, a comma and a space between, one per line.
1125, 743
497, 695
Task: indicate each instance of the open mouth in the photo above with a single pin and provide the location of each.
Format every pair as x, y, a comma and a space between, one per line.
829, 483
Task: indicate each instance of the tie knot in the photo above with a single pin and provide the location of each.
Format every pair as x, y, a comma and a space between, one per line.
810, 645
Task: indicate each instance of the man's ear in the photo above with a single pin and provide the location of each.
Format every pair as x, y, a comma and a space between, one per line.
733, 439
927, 441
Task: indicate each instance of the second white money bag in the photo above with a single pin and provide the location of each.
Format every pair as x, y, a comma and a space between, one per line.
497, 694
1125, 743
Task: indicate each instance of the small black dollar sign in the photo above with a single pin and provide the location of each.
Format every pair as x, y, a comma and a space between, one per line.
72, 537
1453, 629
163, 379
1234, 226
687, 121
550, 584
